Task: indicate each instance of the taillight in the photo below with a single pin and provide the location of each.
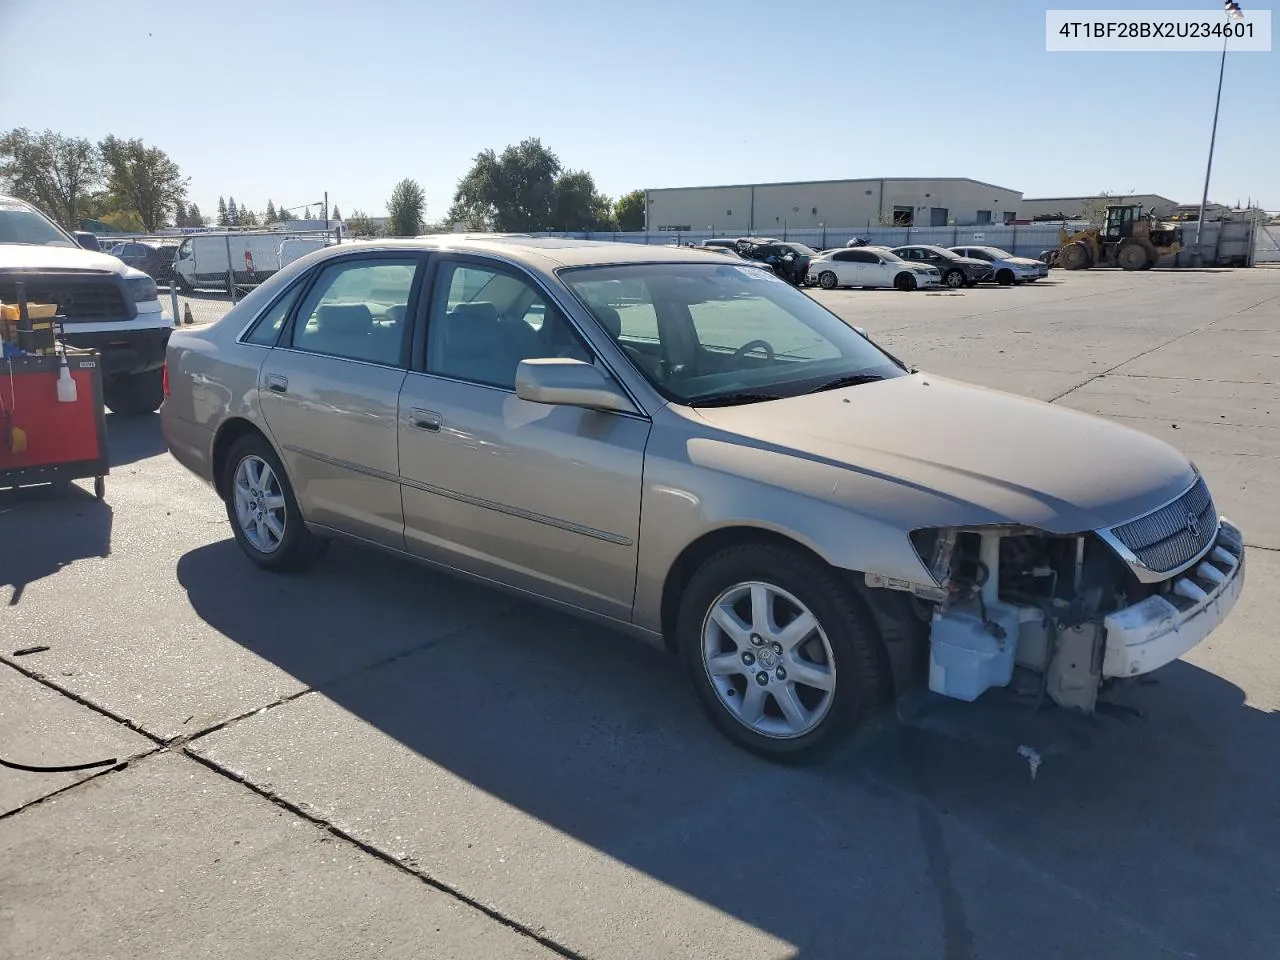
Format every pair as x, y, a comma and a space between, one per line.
164, 379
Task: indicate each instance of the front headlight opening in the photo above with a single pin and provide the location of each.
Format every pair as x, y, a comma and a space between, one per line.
142, 289
936, 548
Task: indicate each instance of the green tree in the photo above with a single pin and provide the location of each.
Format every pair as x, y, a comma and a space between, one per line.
306, 213
54, 172
270, 215
223, 219
407, 209
335, 215
180, 215
125, 221
142, 179
629, 211
362, 225
233, 212
248, 218
577, 205
511, 192
194, 217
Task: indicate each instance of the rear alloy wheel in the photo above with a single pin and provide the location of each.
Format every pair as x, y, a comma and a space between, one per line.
1132, 256
264, 515
954, 279
1005, 277
134, 394
905, 282
781, 654
827, 280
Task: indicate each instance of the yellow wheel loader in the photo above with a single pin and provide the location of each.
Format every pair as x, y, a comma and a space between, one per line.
1127, 240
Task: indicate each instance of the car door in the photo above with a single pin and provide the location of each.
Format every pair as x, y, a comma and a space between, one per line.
847, 268
329, 391
876, 271
544, 498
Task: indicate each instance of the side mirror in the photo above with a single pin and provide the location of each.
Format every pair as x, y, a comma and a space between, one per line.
862, 331
87, 240
568, 383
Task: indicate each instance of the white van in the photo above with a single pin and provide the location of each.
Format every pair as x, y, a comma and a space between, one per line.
295, 247
204, 259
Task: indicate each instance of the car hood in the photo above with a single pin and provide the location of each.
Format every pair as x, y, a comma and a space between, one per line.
28, 256
921, 450
969, 262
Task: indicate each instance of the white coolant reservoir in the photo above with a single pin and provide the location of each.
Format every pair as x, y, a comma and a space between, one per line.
967, 657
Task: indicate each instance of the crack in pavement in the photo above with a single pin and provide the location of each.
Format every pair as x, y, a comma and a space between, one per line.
406, 865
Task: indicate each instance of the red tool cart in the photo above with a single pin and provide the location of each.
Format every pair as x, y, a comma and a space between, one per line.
52, 421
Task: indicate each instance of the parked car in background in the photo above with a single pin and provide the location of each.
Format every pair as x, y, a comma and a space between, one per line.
153, 259
790, 261
707, 458
1006, 269
726, 243
957, 271
735, 255
870, 267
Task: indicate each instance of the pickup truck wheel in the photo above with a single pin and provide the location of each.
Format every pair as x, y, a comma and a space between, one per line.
262, 509
781, 655
827, 280
134, 394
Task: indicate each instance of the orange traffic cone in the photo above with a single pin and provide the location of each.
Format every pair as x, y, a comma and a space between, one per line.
186, 315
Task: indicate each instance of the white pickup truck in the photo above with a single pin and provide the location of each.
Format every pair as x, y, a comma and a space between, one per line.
106, 305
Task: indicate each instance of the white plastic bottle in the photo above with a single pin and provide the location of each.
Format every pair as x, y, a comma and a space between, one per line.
67, 391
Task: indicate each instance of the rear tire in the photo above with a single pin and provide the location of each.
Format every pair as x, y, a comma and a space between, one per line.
250, 492
954, 279
840, 652
134, 394
827, 280
905, 282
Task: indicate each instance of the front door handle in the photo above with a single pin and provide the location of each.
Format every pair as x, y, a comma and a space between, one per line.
425, 419
277, 383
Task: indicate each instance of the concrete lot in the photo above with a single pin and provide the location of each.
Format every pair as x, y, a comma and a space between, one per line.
373, 760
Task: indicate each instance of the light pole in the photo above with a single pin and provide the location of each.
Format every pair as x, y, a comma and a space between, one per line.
1235, 15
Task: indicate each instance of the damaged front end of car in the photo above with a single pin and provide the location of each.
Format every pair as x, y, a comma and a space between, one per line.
1065, 616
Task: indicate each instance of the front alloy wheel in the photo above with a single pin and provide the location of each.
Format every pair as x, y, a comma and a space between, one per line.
768, 660
954, 279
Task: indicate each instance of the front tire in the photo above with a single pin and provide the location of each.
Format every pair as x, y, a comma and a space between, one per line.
134, 394
263, 512
1005, 277
827, 280
904, 282
781, 654
1133, 256
954, 279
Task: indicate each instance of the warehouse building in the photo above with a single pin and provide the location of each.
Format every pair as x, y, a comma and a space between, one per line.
767, 208
1082, 208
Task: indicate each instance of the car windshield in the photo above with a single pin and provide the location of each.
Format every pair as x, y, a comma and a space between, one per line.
716, 332
804, 251
941, 252
887, 254
19, 224
997, 252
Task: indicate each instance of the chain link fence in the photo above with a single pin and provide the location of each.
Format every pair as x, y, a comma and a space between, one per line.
1222, 243
201, 276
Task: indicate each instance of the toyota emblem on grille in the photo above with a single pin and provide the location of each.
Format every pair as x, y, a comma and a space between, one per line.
1193, 525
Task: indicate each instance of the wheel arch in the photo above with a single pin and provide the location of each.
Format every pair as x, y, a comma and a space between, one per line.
231, 430
903, 635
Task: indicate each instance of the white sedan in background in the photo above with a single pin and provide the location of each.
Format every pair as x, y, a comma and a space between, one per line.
1006, 269
870, 267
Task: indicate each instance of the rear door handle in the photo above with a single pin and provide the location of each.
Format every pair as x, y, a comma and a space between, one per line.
277, 383
425, 419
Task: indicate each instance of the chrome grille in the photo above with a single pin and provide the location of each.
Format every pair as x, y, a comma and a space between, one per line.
1175, 534
77, 298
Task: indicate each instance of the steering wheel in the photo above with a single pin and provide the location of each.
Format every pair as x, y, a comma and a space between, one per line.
746, 348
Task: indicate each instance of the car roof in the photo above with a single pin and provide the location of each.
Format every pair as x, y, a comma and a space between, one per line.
548, 253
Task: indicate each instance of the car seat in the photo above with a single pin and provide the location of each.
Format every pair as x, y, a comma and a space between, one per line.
611, 320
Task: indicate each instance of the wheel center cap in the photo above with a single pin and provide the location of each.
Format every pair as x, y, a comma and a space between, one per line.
766, 656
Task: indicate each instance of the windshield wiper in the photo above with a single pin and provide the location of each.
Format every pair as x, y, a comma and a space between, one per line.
733, 399
852, 380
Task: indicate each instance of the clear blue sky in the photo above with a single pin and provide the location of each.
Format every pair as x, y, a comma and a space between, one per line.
288, 99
